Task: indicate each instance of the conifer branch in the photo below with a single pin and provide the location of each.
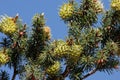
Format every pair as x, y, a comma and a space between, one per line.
14, 73
66, 72
90, 73
44, 75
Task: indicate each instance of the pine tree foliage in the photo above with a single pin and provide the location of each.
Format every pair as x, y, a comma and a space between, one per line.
4, 75
87, 48
40, 35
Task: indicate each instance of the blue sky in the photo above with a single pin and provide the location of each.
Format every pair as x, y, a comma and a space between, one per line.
26, 10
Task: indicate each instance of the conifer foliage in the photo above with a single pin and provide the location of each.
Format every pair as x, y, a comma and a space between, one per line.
87, 48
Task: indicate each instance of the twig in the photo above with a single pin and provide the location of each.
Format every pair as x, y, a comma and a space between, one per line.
14, 73
44, 75
90, 73
66, 72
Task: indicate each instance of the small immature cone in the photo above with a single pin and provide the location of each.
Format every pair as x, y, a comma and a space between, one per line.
14, 44
21, 33
108, 28
100, 61
47, 30
15, 18
97, 32
116, 67
32, 77
94, 0
69, 42
96, 45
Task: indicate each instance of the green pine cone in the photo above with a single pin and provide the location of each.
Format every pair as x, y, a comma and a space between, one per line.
75, 52
52, 70
3, 58
8, 25
66, 11
64, 50
61, 49
115, 5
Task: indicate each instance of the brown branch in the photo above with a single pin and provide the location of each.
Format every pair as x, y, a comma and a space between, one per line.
4, 49
44, 75
66, 72
90, 73
14, 73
